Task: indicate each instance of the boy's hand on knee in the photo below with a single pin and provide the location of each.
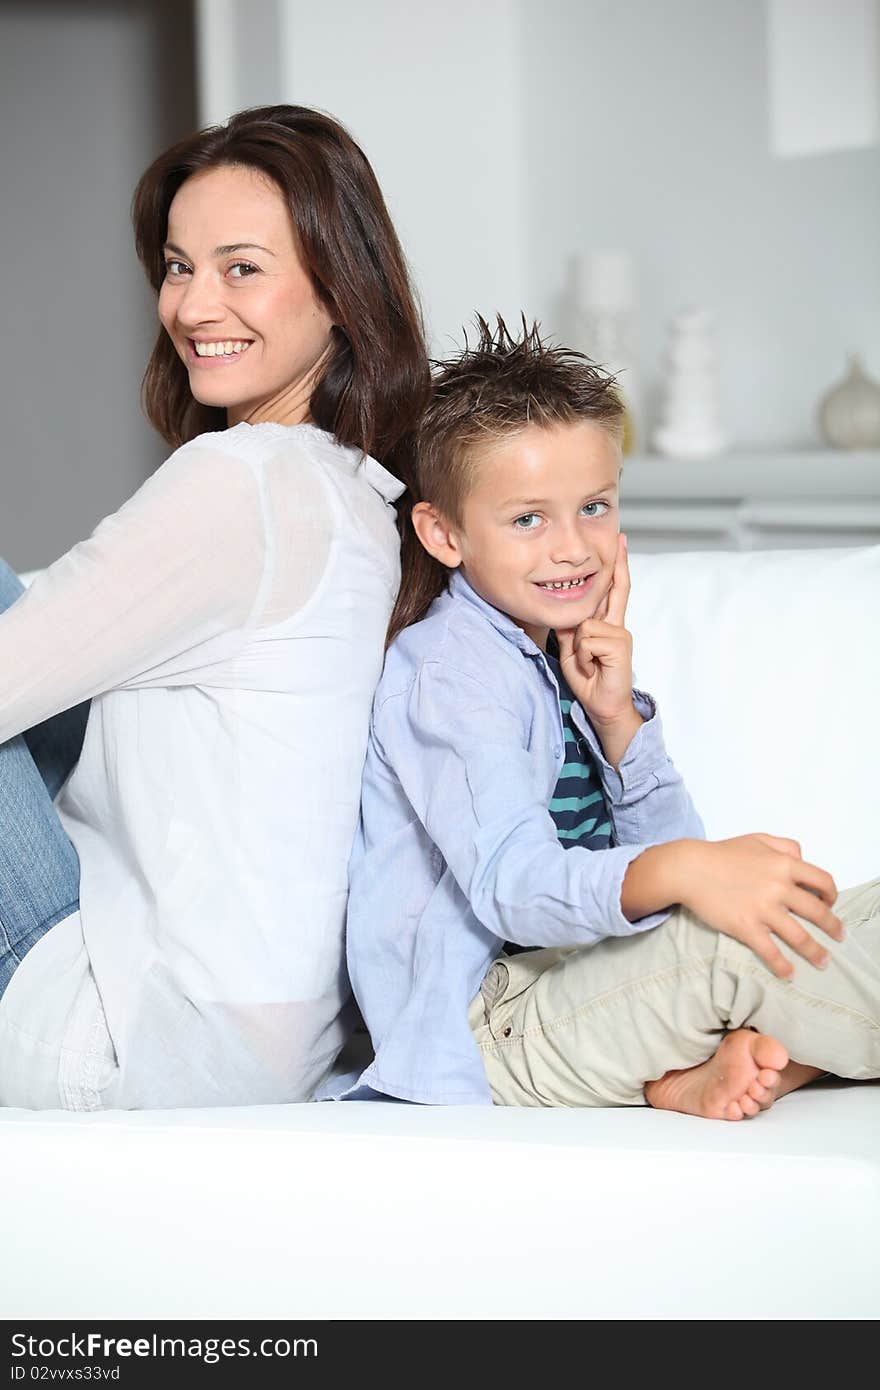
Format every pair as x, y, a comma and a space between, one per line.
755, 888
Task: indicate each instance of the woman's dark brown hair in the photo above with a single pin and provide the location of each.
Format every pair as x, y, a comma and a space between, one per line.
374, 387
495, 389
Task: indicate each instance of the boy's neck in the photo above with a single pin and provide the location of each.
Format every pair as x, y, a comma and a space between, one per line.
538, 635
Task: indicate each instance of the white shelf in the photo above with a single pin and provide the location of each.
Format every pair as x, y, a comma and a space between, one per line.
800, 473
752, 500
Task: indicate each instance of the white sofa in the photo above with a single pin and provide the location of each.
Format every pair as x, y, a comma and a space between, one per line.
766, 667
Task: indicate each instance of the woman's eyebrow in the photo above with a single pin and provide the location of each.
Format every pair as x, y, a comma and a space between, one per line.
242, 246
225, 250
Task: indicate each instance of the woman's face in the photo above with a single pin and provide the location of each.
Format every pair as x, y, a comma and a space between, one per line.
237, 302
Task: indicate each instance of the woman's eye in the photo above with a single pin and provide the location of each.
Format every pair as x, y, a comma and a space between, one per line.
243, 270
176, 267
589, 508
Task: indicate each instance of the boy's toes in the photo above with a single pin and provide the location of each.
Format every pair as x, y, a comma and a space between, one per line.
733, 1110
767, 1052
768, 1077
749, 1106
757, 1091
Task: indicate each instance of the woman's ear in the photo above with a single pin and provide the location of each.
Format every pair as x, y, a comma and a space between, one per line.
436, 534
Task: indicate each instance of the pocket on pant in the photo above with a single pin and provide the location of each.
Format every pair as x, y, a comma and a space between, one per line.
514, 978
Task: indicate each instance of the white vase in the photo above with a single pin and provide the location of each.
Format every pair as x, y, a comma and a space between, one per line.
849, 414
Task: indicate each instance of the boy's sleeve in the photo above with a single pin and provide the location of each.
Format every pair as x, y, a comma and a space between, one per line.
461, 758
647, 800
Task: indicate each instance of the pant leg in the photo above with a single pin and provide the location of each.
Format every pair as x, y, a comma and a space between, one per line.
592, 1026
54, 745
39, 869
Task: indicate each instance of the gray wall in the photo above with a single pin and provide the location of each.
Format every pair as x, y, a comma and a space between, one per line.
89, 94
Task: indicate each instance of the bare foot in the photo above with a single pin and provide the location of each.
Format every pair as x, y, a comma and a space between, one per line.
746, 1074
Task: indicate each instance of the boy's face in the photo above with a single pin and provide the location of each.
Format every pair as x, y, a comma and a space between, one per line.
544, 509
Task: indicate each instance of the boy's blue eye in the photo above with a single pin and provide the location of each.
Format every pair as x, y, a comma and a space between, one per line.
530, 520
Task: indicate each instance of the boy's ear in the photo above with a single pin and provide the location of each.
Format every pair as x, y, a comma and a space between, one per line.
436, 534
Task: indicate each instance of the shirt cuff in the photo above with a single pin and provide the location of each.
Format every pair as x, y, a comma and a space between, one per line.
643, 759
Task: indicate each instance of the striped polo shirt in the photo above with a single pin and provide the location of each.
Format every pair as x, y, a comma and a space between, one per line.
577, 806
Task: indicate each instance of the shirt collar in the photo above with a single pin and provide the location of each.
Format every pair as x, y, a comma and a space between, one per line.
379, 477
462, 592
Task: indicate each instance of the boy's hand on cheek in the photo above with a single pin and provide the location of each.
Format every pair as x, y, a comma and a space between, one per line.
596, 660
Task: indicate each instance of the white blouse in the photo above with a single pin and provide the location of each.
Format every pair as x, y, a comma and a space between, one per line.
228, 624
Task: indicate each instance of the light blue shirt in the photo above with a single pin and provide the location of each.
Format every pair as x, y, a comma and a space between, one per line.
456, 851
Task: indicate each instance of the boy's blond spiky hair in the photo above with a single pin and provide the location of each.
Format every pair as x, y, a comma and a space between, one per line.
497, 388
491, 390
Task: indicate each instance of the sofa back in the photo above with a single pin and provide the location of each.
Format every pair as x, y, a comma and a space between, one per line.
766, 669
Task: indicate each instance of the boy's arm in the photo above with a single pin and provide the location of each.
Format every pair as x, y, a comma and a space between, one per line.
756, 888
462, 761
658, 876
750, 887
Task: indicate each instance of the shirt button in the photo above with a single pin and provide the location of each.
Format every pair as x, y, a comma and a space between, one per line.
556, 750
506, 1032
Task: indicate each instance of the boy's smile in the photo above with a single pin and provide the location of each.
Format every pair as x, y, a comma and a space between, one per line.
539, 529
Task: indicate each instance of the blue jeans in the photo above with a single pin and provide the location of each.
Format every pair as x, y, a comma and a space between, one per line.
39, 870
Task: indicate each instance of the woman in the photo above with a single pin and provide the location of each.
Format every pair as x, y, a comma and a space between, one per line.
173, 925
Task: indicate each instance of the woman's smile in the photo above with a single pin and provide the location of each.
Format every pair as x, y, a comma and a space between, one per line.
205, 352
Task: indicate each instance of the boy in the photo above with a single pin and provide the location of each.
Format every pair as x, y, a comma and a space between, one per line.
517, 794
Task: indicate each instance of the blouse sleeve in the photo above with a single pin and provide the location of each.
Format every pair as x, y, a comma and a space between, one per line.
181, 563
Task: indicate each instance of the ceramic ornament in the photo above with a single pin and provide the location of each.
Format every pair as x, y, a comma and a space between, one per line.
690, 425
849, 415
600, 321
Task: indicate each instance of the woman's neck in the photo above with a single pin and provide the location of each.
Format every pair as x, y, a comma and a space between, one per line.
290, 406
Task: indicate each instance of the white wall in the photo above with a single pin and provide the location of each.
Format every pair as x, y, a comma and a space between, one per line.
432, 94
510, 135
650, 132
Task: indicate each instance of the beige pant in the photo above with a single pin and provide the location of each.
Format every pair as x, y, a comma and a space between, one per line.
591, 1025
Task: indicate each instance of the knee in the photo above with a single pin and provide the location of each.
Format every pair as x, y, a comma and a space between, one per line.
856, 906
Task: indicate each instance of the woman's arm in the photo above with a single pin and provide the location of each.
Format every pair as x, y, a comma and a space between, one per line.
180, 563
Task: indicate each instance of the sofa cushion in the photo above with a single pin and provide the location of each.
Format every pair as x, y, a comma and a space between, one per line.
766, 666
380, 1210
